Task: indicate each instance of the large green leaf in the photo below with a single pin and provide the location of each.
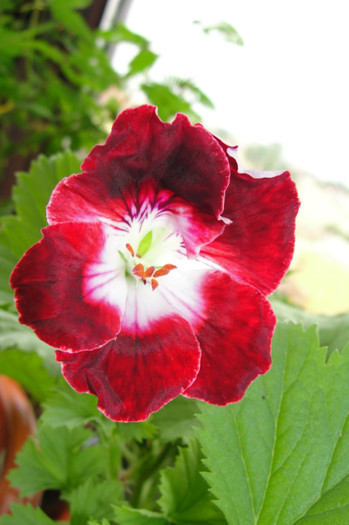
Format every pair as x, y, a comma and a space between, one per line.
280, 456
30, 195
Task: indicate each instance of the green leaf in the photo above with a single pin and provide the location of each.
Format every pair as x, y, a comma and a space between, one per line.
142, 61
176, 420
93, 501
185, 499
281, 454
16, 335
27, 369
145, 243
60, 460
138, 431
63, 11
26, 515
103, 522
65, 407
120, 33
30, 195
128, 516
227, 31
167, 101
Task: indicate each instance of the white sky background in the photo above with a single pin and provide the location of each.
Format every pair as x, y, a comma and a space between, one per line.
289, 83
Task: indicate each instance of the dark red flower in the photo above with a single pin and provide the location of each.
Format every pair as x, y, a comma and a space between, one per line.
152, 274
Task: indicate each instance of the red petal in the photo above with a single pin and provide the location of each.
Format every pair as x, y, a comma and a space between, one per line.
183, 158
135, 375
234, 339
50, 293
257, 246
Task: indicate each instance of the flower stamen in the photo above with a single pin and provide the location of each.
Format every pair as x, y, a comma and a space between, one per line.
130, 249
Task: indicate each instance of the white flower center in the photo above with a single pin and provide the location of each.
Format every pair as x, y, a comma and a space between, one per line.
144, 272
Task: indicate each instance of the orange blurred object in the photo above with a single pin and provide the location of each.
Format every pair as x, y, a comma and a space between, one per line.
17, 422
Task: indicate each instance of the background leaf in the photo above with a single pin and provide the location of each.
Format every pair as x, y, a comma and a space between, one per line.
281, 454
27, 369
16, 335
93, 500
185, 499
61, 460
26, 515
176, 420
30, 197
333, 330
128, 516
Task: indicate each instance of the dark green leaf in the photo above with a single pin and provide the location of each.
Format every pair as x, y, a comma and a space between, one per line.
281, 453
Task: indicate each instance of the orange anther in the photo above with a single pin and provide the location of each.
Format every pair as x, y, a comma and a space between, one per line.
154, 284
161, 272
139, 270
164, 270
149, 271
130, 249
169, 266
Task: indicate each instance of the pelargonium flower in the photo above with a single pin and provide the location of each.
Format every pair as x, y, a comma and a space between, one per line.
151, 278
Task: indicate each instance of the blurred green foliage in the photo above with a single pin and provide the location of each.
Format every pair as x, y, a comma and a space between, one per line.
54, 69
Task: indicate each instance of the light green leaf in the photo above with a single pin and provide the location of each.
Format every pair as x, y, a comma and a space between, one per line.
58, 458
27, 369
93, 500
281, 454
26, 515
128, 516
167, 101
229, 32
333, 329
120, 33
16, 335
142, 61
185, 499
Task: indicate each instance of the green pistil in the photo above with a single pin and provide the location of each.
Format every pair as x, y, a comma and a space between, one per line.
145, 244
